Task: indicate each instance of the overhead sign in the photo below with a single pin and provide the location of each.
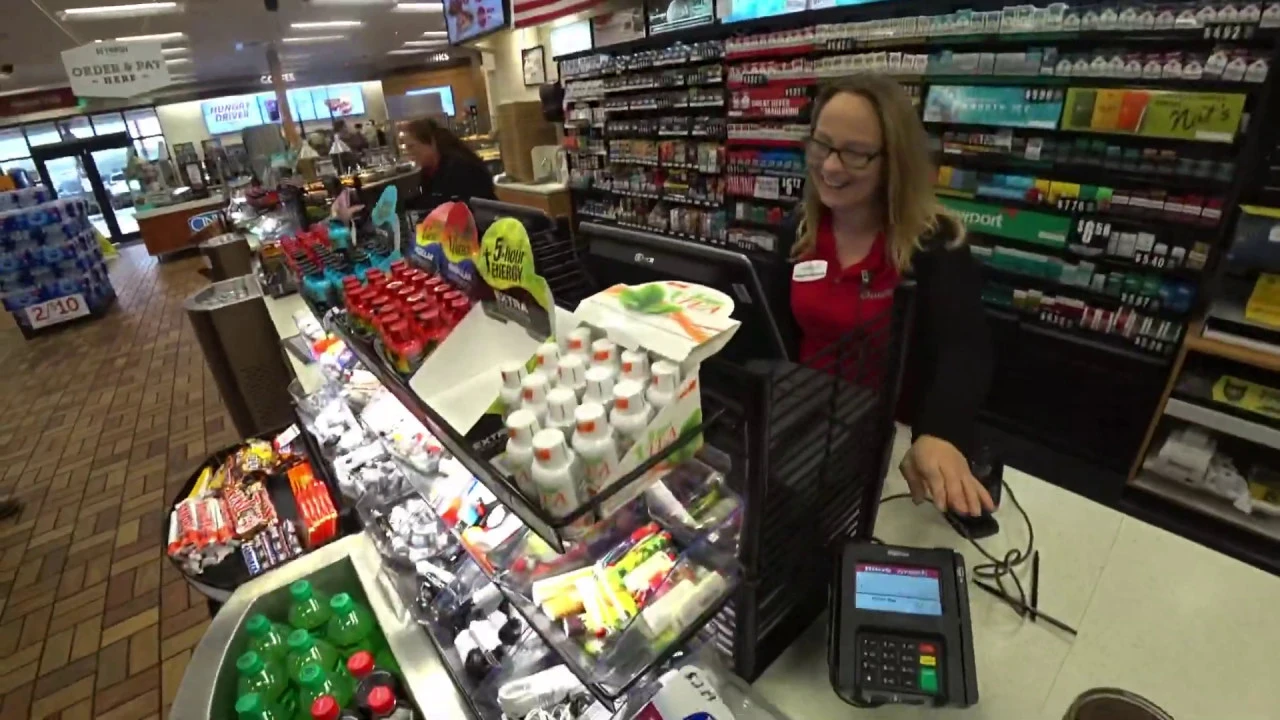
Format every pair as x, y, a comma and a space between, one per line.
231, 114
116, 69
38, 101
268, 79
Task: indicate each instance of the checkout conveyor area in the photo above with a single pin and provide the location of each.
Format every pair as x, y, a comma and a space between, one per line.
1191, 630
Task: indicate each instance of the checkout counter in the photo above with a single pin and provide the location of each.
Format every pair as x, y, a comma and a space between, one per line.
1190, 629
551, 198
167, 228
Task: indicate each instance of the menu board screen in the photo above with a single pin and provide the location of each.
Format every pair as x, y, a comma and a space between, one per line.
469, 19
233, 114
668, 15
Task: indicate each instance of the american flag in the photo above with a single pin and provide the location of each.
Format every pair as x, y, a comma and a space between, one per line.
536, 12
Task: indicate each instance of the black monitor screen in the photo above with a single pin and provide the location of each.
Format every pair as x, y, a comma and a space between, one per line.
668, 15
631, 257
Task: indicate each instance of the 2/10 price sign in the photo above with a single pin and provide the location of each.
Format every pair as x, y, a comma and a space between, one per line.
57, 310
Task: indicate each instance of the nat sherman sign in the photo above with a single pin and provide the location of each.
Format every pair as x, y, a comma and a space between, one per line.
116, 69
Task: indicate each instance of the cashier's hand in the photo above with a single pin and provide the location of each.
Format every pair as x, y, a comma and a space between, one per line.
936, 470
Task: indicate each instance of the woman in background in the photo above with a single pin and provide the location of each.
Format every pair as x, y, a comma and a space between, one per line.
450, 169
869, 217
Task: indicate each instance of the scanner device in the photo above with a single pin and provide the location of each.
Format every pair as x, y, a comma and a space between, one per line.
898, 627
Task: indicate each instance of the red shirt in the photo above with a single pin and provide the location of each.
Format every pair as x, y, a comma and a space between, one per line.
859, 297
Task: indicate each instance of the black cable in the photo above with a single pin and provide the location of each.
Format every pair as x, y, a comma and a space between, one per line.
998, 568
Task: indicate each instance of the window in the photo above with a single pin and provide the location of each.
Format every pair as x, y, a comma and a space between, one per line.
108, 123
74, 128
152, 148
43, 134
142, 123
13, 144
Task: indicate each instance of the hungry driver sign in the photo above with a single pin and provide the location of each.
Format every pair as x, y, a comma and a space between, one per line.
116, 69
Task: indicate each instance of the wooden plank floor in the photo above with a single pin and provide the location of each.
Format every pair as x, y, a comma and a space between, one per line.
100, 423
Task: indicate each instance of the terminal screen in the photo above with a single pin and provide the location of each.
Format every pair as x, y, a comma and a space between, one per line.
898, 589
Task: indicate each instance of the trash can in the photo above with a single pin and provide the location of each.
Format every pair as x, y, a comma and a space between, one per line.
228, 256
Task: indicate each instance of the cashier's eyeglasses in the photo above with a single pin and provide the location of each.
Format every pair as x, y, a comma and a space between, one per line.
816, 153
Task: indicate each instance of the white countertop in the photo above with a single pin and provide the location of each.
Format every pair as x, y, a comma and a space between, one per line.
282, 311
551, 188
1192, 630
213, 199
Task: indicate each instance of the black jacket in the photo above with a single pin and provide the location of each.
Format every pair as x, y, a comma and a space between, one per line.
949, 359
460, 177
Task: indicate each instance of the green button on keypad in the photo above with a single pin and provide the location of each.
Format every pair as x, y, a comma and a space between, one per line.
928, 680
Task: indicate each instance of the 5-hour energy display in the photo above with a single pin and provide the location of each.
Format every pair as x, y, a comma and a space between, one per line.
898, 589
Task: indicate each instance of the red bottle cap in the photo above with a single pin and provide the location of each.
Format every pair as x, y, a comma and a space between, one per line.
360, 664
381, 700
439, 289
325, 707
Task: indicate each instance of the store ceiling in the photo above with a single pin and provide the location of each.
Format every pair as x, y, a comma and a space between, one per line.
226, 39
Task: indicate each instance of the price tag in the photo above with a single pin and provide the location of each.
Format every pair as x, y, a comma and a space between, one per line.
52, 312
766, 187
288, 436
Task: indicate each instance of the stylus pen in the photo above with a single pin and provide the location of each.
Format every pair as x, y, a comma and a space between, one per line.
1035, 586
1020, 607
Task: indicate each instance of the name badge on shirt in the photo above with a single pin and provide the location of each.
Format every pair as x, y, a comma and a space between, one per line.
809, 270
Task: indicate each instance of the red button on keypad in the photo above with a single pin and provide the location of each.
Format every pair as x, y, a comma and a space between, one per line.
927, 649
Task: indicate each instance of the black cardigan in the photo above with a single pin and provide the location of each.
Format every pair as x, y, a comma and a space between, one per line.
460, 176
949, 359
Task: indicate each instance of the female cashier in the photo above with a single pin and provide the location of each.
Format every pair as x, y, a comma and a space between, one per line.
869, 217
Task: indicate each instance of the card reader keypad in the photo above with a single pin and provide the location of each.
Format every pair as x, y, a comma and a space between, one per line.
898, 664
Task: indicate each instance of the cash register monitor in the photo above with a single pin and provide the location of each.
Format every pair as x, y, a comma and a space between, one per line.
486, 212
619, 255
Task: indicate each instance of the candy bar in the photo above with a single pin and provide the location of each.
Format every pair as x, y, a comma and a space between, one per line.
251, 562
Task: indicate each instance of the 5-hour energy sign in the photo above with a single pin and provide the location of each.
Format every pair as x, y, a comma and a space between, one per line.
116, 69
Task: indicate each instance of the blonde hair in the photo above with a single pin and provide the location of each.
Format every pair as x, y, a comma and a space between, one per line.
907, 173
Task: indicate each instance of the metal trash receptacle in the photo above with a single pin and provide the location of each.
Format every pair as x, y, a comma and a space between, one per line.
228, 256
242, 349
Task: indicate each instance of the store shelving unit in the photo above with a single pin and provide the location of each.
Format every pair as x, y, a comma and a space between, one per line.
1099, 368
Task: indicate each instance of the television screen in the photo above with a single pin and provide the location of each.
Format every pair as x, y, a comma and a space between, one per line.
469, 19
572, 38
668, 15
740, 10
444, 92
231, 114
345, 100
617, 27
301, 105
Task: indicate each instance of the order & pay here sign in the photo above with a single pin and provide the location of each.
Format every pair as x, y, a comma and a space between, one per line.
116, 69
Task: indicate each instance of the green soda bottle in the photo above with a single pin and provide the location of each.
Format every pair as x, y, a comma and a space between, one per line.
303, 649
268, 639
265, 678
351, 626
316, 681
254, 707
310, 609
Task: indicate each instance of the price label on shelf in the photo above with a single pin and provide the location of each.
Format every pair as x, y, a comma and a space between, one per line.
766, 187
52, 312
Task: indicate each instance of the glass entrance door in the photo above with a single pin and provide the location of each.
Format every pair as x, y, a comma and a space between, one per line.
94, 169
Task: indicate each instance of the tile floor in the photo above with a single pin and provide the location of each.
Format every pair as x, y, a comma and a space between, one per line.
99, 424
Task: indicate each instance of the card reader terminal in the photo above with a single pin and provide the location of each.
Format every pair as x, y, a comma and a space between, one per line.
898, 627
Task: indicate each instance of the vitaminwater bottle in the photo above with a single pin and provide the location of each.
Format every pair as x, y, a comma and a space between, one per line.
573, 374
310, 609
533, 394
326, 707
556, 475
561, 403
268, 639
263, 677
512, 375
596, 448
305, 648
579, 343
255, 707
521, 427
315, 682
635, 366
548, 359
352, 628
666, 378
599, 388
630, 415
605, 354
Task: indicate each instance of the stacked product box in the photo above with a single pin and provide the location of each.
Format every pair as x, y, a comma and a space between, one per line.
51, 266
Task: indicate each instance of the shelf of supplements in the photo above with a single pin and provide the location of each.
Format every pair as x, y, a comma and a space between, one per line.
1085, 173
650, 162
1118, 345
1065, 252
607, 666
551, 529
1093, 297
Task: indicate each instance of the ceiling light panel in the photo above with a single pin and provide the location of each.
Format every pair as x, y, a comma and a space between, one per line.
327, 24
176, 61
158, 37
314, 38
419, 7
112, 12
427, 43
435, 34
175, 50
